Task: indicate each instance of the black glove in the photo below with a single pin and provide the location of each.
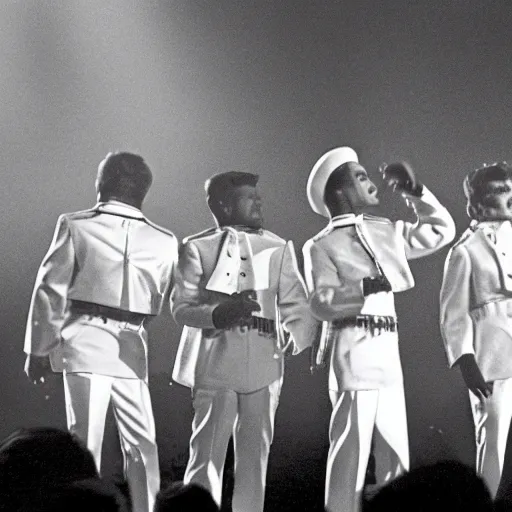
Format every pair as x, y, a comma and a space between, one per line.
473, 377
38, 368
401, 177
235, 311
375, 285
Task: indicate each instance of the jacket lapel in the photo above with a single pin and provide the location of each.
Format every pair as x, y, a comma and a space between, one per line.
486, 241
388, 256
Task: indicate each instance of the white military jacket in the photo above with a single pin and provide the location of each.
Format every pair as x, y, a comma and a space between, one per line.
110, 255
353, 247
215, 264
476, 299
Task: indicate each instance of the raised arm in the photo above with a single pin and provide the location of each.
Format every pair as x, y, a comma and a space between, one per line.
433, 229
434, 226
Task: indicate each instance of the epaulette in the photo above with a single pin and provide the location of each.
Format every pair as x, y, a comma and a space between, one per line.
81, 214
201, 234
159, 228
375, 218
323, 233
272, 235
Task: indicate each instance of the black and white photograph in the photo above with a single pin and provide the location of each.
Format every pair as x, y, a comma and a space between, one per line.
256, 255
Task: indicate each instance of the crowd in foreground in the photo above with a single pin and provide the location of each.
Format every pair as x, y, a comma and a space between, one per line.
51, 470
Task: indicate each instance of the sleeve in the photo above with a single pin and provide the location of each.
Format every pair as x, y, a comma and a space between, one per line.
294, 311
455, 322
189, 302
49, 298
331, 296
433, 229
170, 277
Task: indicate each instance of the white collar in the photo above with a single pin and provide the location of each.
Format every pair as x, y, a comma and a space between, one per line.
494, 225
120, 208
240, 228
346, 219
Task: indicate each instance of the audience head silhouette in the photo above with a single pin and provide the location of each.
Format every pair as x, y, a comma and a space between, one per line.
33, 462
445, 485
180, 497
83, 496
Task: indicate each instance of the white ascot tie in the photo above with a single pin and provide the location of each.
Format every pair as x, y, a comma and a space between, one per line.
226, 276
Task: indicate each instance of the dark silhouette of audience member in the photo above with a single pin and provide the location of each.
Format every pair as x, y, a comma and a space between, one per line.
446, 485
502, 505
37, 463
503, 501
93, 495
178, 497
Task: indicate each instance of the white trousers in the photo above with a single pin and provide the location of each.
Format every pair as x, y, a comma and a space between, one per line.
356, 417
249, 417
492, 422
87, 398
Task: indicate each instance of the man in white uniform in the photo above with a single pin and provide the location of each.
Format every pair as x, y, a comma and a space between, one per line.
476, 309
106, 274
241, 299
353, 267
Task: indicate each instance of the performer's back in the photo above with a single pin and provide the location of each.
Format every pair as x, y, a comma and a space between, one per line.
122, 261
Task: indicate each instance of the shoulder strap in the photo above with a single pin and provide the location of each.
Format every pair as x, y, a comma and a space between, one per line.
159, 228
368, 249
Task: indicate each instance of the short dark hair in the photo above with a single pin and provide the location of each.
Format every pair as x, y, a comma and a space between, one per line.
476, 186
220, 187
338, 179
125, 175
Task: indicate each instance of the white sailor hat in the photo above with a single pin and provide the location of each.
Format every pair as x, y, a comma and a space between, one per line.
320, 173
